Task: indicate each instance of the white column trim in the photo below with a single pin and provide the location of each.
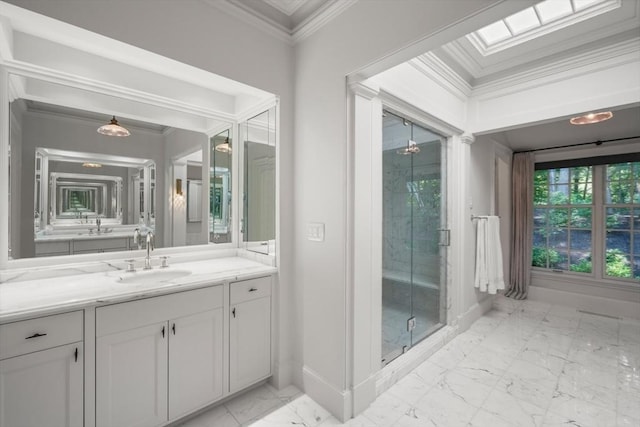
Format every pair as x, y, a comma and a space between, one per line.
4, 166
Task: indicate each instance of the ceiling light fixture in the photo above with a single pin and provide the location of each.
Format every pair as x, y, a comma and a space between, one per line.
91, 165
411, 148
225, 147
591, 118
113, 129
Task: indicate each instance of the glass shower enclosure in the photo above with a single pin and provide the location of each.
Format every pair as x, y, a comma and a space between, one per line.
414, 235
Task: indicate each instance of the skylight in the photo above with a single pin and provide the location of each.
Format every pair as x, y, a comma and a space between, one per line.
535, 21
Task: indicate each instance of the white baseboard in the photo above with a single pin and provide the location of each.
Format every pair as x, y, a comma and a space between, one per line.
282, 374
338, 402
594, 304
364, 394
476, 311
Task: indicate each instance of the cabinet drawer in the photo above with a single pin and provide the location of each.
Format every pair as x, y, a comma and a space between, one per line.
128, 315
41, 333
100, 244
248, 290
52, 248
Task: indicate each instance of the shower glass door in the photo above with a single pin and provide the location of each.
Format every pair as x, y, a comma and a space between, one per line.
414, 235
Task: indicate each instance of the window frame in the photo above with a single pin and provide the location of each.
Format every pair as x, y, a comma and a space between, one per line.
598, 225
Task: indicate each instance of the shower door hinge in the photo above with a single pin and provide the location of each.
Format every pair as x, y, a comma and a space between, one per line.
445, 237
411, 323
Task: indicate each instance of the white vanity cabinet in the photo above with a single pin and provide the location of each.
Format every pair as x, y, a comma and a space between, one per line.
41, 371
249, 332
159, 358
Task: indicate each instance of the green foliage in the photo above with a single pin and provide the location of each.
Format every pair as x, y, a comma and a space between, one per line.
618, 264
583, 266
540, 256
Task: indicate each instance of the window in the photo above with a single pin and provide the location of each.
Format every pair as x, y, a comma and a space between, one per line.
586, 220
622, 220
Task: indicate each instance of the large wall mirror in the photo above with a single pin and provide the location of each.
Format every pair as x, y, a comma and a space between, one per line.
173, 176
259, 182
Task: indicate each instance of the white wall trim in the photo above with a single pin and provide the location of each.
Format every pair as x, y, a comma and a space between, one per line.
594, 304
336, 401
573, 66
401, 107
253, 18
306, 28
476, 311
319, 19
434, 68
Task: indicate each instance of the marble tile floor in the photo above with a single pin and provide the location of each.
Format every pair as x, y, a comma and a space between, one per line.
524, 363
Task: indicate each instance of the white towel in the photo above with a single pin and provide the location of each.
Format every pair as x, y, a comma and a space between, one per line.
489, 276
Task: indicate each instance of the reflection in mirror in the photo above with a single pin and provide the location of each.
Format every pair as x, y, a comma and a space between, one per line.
65, 178
220, 152
259, 182
194, 200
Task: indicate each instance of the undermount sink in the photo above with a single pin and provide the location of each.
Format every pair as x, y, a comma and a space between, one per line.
150, 276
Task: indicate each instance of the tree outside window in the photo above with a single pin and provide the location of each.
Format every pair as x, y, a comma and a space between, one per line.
563, 228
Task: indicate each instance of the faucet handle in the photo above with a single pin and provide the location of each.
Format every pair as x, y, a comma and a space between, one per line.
164, 261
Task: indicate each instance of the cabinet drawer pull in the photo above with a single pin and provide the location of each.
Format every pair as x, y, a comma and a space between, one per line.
163, 332
76, 354
252, 290
36, 335
233, 312
173, 328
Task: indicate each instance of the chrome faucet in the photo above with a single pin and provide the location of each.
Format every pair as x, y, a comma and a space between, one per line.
147, 260
98, 223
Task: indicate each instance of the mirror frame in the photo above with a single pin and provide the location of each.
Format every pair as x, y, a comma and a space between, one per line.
208, 114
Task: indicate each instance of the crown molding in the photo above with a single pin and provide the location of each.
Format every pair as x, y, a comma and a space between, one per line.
310, 25
434, 68
587, 62
288, 10
320, 18
253, 18
467, 138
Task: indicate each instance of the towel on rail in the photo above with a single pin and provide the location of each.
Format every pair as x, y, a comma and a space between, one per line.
489, 275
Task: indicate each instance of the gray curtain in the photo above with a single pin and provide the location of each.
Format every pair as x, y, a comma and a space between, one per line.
522, 219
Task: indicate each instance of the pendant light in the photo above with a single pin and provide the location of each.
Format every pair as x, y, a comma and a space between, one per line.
113, 129
225, 147
412, 146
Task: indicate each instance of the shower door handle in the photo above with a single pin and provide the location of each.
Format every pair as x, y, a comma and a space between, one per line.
445, 237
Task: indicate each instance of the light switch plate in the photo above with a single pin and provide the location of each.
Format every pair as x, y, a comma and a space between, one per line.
315, 232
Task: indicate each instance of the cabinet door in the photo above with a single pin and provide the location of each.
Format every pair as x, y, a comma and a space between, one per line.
131, 377
250, 342
195, 361
44, 388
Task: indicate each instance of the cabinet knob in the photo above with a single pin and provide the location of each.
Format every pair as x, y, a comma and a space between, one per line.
36, 335
252, 290
163, 332
75, 354
173, 328
233, 312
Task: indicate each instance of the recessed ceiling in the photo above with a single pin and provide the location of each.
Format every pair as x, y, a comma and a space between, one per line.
625, 123
594, 27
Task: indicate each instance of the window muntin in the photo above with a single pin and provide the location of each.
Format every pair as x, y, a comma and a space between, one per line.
622, 220
564, 231
562, 222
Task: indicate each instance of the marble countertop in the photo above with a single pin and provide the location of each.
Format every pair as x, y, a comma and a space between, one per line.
82, 236
28, 298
